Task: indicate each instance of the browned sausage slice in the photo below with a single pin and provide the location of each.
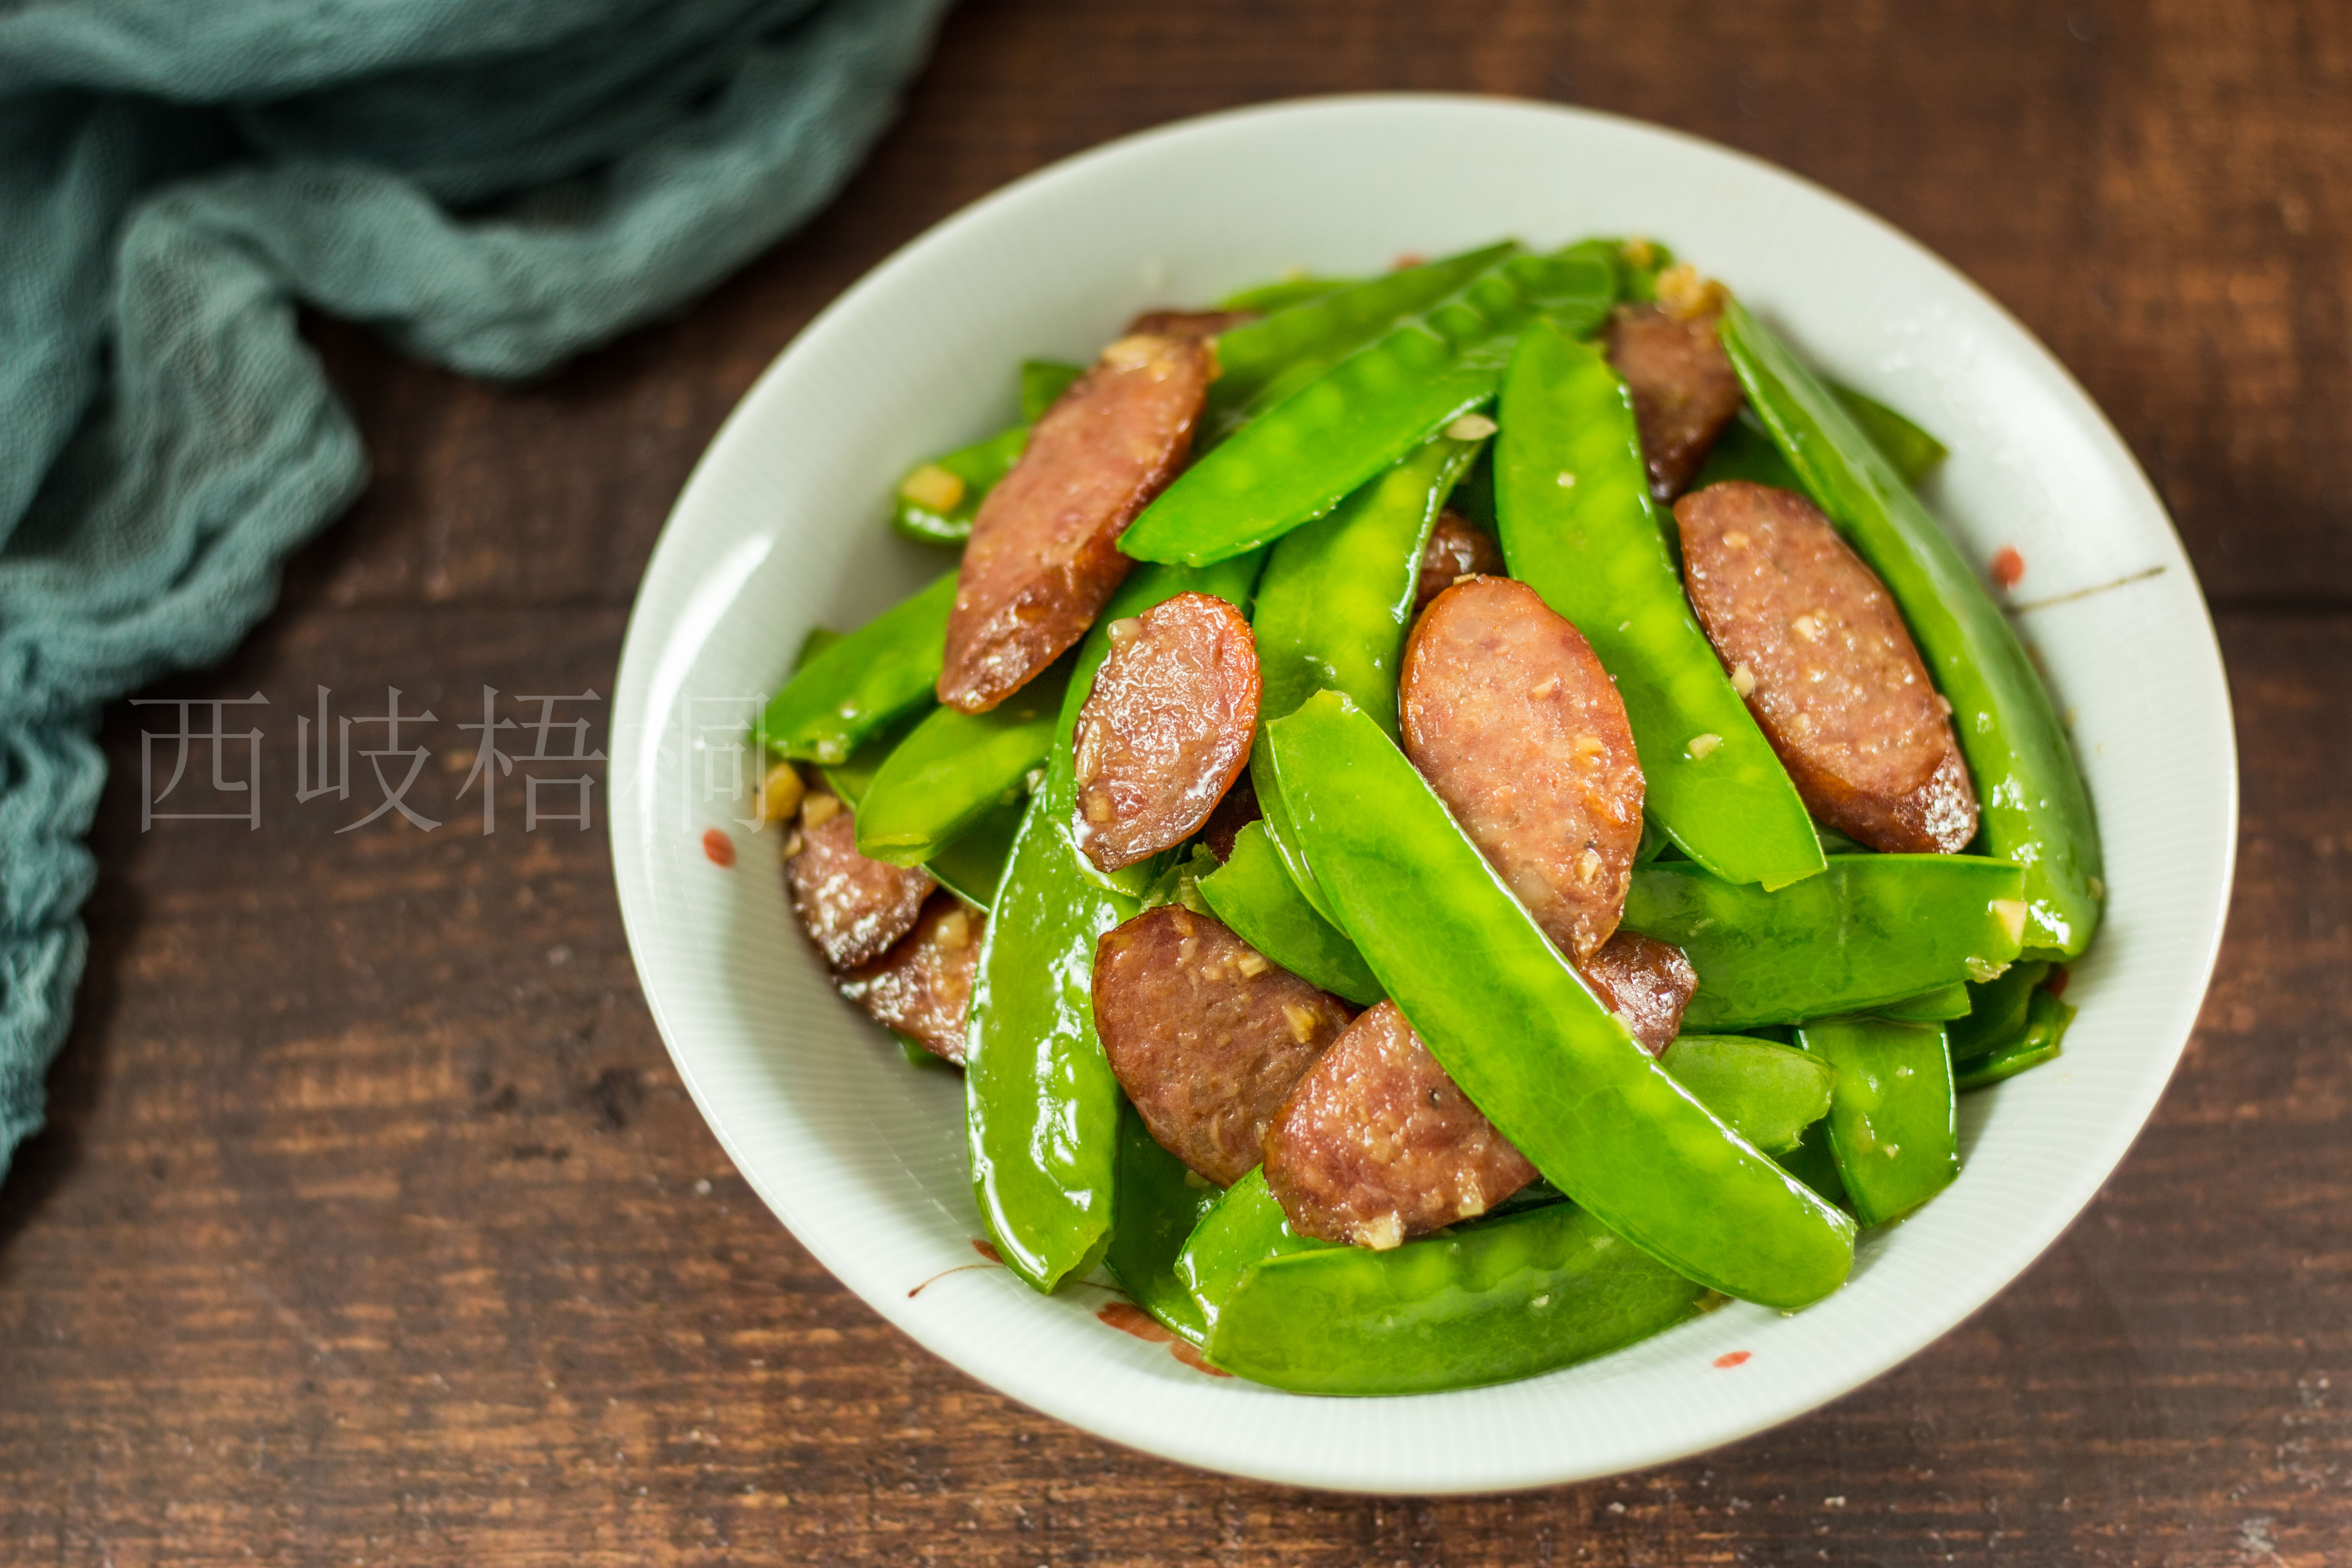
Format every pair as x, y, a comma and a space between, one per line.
1646, 982
1206, 1035
1685, 390
1377, 1143
1188, 323
922, 987
1166, 729
1458, 548
1814, 642
1044, 555
1511, 718
852, 908
1235, 812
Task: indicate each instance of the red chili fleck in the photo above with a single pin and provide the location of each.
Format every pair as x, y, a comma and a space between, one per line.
987, 1250
1731, 1359
1407, 259
718, 846
2056, 981
2007, 566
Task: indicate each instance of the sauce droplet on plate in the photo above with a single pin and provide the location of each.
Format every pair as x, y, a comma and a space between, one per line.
718, 846
1731, 1359
2007, 566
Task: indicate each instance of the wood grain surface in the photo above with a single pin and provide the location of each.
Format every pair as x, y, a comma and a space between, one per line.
373, 1225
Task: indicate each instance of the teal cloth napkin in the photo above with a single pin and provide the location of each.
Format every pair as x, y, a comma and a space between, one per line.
492, 184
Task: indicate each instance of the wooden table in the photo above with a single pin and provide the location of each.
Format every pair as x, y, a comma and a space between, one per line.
374, 1226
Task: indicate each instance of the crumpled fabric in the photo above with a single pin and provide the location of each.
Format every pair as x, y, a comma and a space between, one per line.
490, 185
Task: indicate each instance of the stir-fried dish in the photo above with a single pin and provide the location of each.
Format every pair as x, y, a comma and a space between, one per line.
1450, 820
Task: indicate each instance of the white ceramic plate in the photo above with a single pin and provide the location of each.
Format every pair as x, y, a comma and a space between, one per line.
782, 528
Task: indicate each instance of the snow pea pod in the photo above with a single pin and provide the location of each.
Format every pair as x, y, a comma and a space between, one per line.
1526, 1041
1871, 930
1937, 1006
1893, 1128
1338, 596
1912, 451
2046, 1020
1244, 1227
1995, 1012
852, 776
953, 768
1518, 1295
1041, 1103
2035, 809
1160, 1203
937, 500
1336, 325
853, 688
1579, 527
1253, 894
1745, 451
1766, 1093
1285, 293
1303, 457
1043, 381
973, 862
930, 510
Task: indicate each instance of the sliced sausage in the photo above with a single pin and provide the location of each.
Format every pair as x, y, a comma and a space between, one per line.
1509, 715
1685, 390
1458, 548
1205, 1034
854, 909
1166, 729
1188, 323
1044, 555
1646, 982
1235, 812
922, 987
1814, 642
1377, 1143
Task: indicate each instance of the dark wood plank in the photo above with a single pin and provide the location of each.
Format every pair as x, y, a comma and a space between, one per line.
375, 1226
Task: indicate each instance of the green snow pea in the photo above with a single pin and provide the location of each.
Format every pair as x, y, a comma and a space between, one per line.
1285, 293
1252, 893
1520, 1033
981, 465
1745, 451
1912, 451
953, 768
1244, 1227
1580, 528
1043, 381
1996, 1011
1812, 1163
1331, 328
1304, 455
1872, 929
1893, 1126
2046, 1020
1521, 1294
1768, 1094
1160, 1203
1337, 600
852, 776
1945, 1002
853, 688
1041, 1102
2035, 809
973, 862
